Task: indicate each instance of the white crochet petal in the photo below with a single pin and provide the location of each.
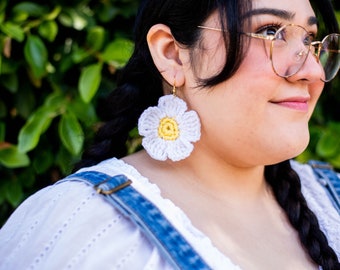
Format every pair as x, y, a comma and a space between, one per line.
190, 126
172, 105
155, 147
149, 121
179, 149
168, 129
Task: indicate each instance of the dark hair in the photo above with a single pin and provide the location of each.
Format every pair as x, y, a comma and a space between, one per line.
140, 86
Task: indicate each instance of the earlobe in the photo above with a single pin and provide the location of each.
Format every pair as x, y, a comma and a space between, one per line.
165, 54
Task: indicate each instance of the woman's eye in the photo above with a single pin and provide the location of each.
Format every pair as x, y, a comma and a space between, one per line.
268, 31
308, 39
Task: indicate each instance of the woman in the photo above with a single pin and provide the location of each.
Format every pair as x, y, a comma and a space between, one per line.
249, 74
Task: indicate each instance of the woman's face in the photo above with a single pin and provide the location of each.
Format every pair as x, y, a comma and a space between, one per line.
256, 117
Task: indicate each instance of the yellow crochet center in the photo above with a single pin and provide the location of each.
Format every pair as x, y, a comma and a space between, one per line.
168, 129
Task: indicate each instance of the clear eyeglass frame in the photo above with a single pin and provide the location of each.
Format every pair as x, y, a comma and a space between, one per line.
325, 54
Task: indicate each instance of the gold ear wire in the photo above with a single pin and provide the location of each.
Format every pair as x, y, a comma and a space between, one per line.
174, 88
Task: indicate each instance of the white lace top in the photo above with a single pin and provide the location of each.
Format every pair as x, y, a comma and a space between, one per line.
69, 226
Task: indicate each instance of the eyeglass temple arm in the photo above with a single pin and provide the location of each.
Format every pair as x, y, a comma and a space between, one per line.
255, 35
244, 33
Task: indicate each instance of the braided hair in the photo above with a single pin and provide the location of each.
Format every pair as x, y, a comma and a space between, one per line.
140, 86
286, 187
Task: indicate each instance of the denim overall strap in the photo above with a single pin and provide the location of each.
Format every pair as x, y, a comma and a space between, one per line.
118, 191
329, 179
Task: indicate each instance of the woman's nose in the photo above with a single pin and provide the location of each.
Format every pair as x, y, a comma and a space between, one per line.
311, 70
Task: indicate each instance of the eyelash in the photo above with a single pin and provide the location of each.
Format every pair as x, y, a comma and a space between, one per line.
263, 28
277, 26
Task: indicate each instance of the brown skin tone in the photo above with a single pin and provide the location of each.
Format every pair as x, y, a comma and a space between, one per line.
246, 124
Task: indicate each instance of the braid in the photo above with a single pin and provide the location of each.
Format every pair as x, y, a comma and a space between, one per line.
287, 189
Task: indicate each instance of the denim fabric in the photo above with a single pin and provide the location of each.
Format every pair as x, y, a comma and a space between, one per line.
147, 216
329, 179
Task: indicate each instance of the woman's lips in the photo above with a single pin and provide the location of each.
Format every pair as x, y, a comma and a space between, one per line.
296, 103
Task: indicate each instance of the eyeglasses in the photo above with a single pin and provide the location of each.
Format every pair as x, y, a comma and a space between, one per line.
291, 45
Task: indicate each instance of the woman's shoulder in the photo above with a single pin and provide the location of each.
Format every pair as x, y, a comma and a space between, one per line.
69, 225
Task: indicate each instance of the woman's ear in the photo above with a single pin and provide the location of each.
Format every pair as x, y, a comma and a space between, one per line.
165, 54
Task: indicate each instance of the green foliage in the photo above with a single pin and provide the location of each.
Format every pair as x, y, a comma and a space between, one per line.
57, 59
90, 78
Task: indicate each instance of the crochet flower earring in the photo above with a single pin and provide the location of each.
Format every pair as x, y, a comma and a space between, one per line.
169, 129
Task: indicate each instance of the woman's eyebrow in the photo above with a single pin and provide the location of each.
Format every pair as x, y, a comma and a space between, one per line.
283, 14
312, 20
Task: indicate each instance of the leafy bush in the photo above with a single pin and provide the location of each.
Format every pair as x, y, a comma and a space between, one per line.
58, 58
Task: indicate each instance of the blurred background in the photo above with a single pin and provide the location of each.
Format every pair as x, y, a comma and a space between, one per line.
58, 59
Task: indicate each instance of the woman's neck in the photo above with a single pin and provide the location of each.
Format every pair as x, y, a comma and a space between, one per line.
203, 174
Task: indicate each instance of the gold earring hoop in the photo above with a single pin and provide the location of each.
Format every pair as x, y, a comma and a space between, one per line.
174, 88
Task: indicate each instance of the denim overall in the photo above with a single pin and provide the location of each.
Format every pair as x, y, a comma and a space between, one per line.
118, 191
329, 179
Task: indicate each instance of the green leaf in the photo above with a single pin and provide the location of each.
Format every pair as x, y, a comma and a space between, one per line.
79, 54
89, 81
20, 17
8, 66
30, 133
85, 112
25, 101
13, 30
36, 55
48, 30
30, 8
71, 133
65, 19
55, 101
43, 160
107, 12
329, 144
14, 193
10, 157
64, 160
3, 5
73, 18
95, 38
118, 52
10, 82
53, 14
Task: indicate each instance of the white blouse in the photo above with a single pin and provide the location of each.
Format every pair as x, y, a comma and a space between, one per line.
69, 226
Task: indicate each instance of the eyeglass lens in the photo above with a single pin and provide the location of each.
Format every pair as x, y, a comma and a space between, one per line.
291, 46
330, 55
